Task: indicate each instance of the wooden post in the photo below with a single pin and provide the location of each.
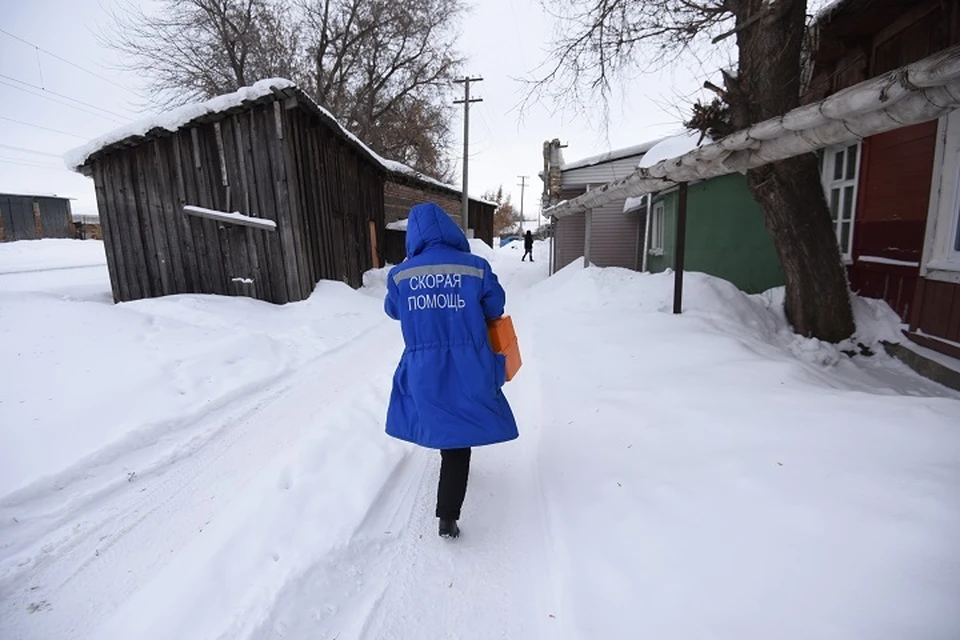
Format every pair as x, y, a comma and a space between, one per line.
588, 226
680, 249
37, 220
373, 244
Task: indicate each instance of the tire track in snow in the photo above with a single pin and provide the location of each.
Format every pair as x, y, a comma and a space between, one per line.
396, 579
142, 525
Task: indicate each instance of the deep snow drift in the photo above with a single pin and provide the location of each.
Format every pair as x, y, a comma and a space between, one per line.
702, 475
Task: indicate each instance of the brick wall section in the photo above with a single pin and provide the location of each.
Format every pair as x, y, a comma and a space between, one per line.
399, 198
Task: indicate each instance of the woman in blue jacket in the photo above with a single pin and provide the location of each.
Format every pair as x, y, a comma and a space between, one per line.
447, 388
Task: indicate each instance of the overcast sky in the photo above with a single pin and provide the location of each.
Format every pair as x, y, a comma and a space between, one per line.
502, 39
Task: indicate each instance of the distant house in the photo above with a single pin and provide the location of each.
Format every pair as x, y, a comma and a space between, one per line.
259, 193
882, 111
725, 236
34, 216
894, 196
605, 236
399, 197
87, 227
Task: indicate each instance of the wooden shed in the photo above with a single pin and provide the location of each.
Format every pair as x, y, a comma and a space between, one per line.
400, 195
26, 216
259, 193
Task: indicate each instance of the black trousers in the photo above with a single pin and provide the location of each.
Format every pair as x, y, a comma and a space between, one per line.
527, 252
454, 469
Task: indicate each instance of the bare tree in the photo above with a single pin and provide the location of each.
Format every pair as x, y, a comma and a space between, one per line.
385, 69
598, 41
196, 49
505, 216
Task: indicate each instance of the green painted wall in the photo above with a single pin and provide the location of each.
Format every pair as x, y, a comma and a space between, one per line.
725, 235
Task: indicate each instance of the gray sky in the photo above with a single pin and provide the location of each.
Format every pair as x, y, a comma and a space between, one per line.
502, 39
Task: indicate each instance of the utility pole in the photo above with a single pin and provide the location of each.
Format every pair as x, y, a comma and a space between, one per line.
522, 185
465, 81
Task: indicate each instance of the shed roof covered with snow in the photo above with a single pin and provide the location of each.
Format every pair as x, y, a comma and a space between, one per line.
262, 92
260, 192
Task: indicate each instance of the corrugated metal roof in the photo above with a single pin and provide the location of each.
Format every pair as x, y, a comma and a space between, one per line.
610, 156
36, 195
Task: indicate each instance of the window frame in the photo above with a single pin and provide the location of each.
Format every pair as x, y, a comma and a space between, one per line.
940, 259
657, 224
953, 238
830, 184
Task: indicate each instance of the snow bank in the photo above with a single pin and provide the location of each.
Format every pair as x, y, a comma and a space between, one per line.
876, 321
50, 253
159, 364
696, 465
375, 281
480, 248
672, 147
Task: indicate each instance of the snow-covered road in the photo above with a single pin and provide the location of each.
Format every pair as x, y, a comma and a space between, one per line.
708, 475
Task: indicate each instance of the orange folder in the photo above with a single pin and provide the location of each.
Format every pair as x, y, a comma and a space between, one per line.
503, 339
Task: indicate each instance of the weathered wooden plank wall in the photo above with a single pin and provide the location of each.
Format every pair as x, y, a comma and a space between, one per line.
480, 220
272, 160
341, 191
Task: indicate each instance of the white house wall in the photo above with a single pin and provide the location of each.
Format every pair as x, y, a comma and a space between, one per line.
568, 240
614, 236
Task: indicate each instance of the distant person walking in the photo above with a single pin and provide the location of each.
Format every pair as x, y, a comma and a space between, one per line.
527, 246
447, 388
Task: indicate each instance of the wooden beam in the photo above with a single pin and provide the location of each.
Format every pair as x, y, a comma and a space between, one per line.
37, 220
588, 227
233, 218
680, 249
373, 244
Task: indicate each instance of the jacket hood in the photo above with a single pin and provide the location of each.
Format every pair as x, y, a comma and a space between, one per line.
429, 225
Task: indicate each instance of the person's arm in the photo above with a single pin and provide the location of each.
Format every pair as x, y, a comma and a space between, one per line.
494, 298
390, 303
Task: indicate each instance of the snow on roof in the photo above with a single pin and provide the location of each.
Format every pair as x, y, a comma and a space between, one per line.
36, 195
827, 11
672, 147
175, 119
609, 156
633, 202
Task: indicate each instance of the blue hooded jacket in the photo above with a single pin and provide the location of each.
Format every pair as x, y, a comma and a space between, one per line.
447, 387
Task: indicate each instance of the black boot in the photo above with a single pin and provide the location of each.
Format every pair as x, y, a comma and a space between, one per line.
449, 528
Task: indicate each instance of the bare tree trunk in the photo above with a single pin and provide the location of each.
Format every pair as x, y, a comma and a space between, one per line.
795, 210
789, 192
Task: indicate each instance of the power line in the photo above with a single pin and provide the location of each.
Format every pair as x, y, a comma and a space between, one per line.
60, 102
37, 126
71, 63
32, 165
29, 161
60, 95
25, 150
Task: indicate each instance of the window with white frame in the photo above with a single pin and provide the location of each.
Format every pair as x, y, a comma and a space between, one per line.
955, 249
656, 229
941, 247
841, 169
